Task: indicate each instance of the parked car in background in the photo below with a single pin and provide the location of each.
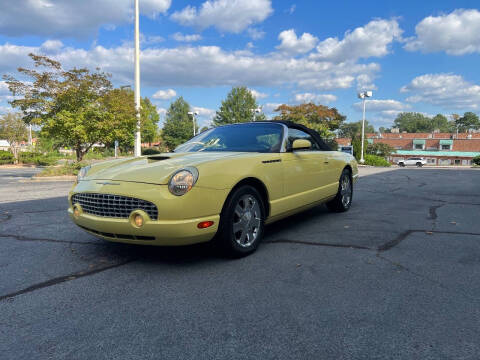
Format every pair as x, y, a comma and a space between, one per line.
413, 161
224, 184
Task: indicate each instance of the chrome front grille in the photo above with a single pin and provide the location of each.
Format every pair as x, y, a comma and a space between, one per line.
115, 206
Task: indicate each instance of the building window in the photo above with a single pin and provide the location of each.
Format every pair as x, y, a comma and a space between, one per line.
418, 147
445, 147
432, 161
465, 162
444, 162
457, 161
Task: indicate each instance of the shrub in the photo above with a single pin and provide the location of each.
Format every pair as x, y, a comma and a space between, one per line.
375, 160
6, 157
34, 158
150, 151
476, 160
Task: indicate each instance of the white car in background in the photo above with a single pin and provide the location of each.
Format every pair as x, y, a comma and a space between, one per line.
413, 161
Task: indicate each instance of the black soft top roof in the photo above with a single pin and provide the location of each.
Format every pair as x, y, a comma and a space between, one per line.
315, 135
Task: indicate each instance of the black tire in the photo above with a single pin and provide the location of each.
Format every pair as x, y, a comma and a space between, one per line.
419, 164
230, 241
401, 164
343, 199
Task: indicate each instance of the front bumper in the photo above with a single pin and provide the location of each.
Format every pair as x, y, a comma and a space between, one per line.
178, 216
167, 232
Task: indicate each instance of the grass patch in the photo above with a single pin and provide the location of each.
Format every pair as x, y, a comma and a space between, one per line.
68, 169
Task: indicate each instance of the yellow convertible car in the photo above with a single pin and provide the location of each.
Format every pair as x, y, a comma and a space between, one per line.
223, 185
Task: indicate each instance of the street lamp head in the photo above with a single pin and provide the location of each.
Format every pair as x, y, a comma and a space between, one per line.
365, 94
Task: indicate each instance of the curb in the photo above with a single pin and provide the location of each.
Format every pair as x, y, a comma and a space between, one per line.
53, 178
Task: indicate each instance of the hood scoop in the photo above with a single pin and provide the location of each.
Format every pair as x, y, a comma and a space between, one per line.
157, 158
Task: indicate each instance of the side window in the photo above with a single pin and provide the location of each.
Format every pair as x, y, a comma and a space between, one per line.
294, 134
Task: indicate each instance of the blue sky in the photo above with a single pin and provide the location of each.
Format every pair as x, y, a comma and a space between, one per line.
415, 55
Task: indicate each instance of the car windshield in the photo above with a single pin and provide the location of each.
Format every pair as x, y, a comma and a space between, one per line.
248, 137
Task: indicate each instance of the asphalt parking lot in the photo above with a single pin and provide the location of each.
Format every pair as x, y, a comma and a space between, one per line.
397, 277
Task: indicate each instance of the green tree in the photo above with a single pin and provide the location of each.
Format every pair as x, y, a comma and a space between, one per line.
440, 122
384, 130
120, 105
321, 118
239, 106
149, 119
352, 129
66, 103
468, 121
357, 147
12, 129
178, 126
476, 160
380, 149
413, 122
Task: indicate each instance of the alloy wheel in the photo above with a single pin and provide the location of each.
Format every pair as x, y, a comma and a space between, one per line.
246, 220
346, 191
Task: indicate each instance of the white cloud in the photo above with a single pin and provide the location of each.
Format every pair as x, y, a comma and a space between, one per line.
381, 105
382, 112
161, 111
4, 88
270, 107
172, 67
51, 46
255, 34
457, 33
315, 98
65, 18
225, 15
186, 38
292, 9
150, 39
370, 40
258, 94
204, 112
448, 91
292, 44
164, 94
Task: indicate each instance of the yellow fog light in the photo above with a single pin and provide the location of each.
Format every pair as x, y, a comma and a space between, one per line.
138, 220
76, 211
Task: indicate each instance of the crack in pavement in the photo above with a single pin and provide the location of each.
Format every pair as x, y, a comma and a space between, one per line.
289, 241
402, 236
25, 238
65, 278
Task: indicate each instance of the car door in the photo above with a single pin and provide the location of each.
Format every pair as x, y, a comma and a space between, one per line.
305, 172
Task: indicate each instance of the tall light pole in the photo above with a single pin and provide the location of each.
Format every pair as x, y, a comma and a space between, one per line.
193, 114
363, 95
138, 144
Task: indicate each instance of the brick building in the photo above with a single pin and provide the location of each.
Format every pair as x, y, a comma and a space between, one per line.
436, 148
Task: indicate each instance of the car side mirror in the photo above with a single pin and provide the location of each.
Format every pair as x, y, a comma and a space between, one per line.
301, 144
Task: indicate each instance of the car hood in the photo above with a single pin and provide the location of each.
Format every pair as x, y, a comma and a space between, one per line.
154, 169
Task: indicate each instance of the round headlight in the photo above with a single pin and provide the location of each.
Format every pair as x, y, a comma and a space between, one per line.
83, 172
183, 181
